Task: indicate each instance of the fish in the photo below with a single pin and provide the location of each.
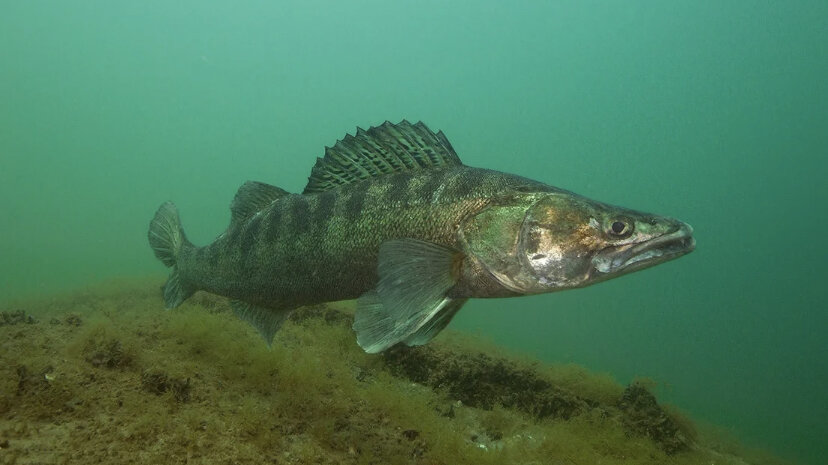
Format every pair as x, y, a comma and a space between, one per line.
391, 217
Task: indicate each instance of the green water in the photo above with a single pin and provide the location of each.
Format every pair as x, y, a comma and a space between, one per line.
712, 112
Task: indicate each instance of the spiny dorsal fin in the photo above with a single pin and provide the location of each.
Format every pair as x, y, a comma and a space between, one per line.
384, 149
252, 197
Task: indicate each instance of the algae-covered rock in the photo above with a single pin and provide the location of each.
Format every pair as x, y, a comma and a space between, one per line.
480, 380
643, 416
485, 381
103, 346
107, 353
73, 319
37, 394
16, 317
31, 382
158, 382
139, 384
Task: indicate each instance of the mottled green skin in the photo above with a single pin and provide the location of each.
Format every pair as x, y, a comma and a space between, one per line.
321, 247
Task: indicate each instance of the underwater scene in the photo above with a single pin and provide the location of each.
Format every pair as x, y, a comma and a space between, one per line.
363, 232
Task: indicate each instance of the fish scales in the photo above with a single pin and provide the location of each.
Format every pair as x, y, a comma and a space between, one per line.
392, 217
307, 249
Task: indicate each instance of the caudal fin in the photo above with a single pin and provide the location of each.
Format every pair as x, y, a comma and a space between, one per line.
167, 240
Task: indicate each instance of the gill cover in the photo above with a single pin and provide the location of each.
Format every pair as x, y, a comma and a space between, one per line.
493, 241
557, 238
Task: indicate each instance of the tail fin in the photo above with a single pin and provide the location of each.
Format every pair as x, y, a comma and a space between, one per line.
167, 239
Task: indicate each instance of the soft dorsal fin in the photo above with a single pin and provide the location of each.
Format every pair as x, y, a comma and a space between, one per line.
252, 197
384, 149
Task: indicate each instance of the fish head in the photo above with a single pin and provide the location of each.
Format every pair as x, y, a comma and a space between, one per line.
562, 240
570, 241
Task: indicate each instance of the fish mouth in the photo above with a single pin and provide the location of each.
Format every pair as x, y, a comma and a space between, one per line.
624, 259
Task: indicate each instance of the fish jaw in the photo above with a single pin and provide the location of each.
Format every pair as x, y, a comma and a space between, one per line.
618, 260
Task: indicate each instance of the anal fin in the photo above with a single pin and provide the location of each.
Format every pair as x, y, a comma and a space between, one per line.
266, 320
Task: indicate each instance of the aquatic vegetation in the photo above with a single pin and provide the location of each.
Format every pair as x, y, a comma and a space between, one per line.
133, 383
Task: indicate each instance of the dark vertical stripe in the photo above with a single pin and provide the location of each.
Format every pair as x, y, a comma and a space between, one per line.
214, 258
354, 205
274, 223
432, 184
250, 234
230, 248
300, 219
207, 254
325, 207
398, 190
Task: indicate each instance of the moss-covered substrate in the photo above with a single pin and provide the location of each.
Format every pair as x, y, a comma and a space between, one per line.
109, 376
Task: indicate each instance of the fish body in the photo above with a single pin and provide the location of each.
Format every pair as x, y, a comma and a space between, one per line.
391, 217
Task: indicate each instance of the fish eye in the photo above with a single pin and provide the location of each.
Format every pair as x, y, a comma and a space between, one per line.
620, 228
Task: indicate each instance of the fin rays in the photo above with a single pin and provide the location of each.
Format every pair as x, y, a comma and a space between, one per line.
251, 198
167, 239
266, 320
409, 303
388, 148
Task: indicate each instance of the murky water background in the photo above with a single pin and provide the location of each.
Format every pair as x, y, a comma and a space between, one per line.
711, 112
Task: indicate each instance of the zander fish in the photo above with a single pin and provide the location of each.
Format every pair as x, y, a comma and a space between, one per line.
391, 216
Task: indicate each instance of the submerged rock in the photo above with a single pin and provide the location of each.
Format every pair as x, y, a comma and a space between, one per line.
15, 317
108, 354
158, 382
479, 380
73, 320
644, 417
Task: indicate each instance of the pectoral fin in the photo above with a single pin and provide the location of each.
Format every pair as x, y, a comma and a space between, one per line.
409, 303
436, 324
